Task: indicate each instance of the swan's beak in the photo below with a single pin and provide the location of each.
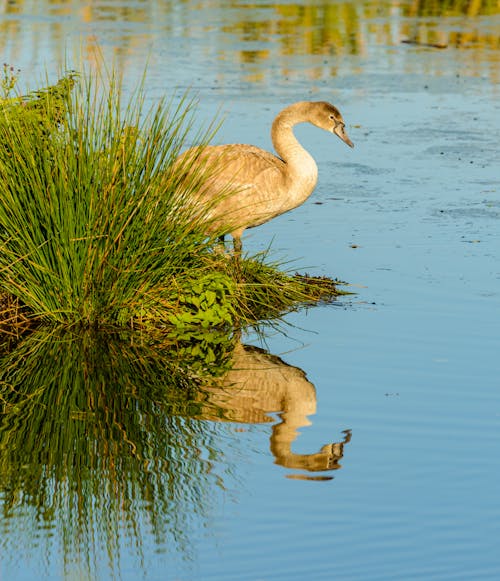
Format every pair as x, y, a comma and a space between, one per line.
339, 131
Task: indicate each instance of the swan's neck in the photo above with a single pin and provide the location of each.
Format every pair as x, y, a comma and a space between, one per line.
302, 171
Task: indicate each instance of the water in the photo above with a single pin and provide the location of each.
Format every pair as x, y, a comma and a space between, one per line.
407, 368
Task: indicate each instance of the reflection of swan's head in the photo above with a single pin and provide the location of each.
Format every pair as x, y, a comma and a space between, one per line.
332, 453
328, 458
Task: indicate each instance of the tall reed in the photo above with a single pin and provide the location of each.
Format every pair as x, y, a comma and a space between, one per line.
92, 229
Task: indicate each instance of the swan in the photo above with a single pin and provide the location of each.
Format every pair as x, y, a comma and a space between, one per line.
245, 186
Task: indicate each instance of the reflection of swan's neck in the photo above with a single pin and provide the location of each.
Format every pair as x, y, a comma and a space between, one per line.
284, 434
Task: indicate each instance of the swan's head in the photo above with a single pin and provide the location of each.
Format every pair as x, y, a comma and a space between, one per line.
328, 117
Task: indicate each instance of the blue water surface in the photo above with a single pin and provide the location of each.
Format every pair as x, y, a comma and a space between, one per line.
409, 365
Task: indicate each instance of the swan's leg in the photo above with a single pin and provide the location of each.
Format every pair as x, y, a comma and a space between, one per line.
221, 243
237, 245
237, 257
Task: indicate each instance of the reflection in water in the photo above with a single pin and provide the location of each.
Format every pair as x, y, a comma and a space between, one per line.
95, 449
261, 37
101, 441
259, 384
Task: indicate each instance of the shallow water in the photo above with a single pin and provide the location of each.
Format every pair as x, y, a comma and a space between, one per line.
402, 378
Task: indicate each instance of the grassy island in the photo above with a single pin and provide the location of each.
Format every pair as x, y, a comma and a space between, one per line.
95, 230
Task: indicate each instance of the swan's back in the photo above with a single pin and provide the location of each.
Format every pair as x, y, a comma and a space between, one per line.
239, 183
238, 164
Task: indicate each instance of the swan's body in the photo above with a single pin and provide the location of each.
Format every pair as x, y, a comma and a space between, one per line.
246, 186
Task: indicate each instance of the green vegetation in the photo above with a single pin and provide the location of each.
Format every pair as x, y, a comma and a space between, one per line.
96, 224
99, 446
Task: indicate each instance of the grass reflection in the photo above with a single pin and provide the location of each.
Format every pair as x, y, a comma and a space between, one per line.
95, 446
109, 440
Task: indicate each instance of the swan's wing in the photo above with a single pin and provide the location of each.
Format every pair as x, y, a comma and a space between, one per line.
237, 185
236, 165
256, 160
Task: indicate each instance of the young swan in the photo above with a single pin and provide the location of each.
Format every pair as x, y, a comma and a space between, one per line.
245, 186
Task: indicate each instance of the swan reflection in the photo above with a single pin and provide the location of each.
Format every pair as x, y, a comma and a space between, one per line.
260, 384
104, 439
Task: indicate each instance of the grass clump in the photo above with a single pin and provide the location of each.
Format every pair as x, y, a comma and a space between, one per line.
94, 228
